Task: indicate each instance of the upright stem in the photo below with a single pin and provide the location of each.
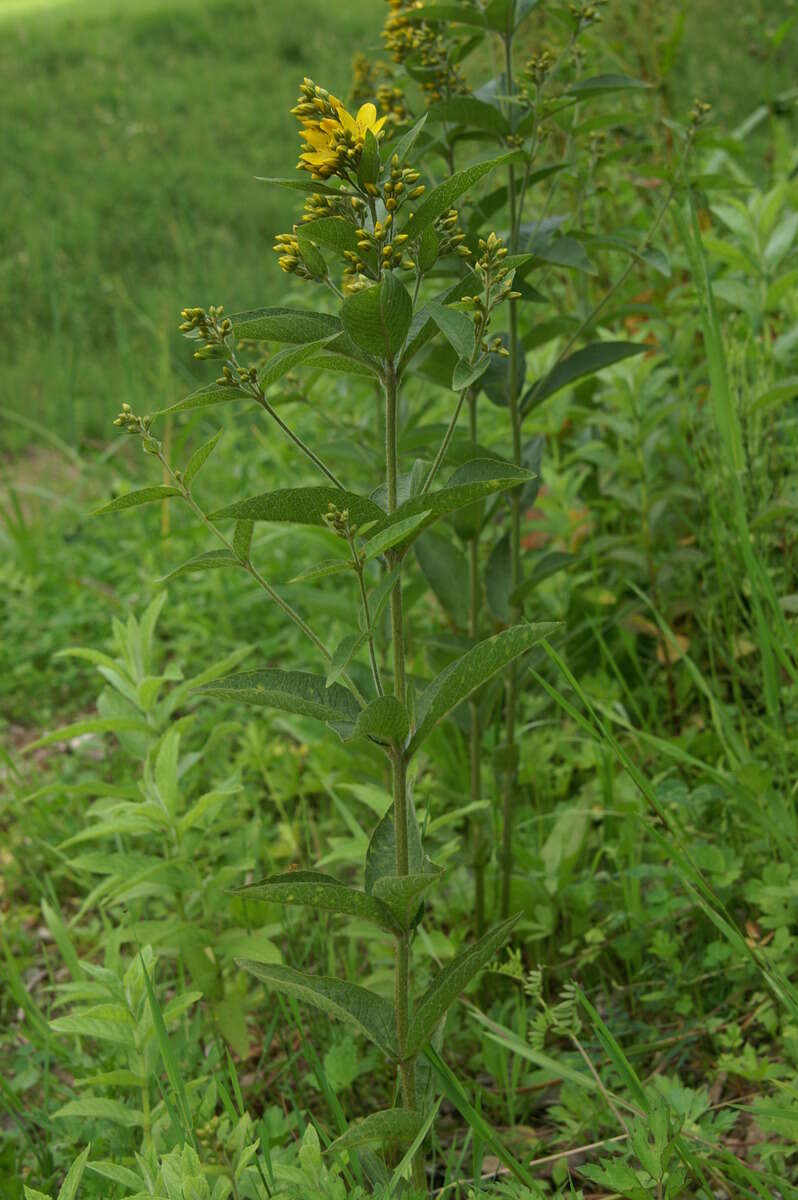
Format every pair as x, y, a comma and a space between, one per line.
402, 980
515, 528
475, 738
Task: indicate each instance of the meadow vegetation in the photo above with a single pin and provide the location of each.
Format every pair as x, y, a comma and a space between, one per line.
398, 773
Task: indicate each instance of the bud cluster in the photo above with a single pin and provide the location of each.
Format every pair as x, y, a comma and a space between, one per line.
699, 113
242, 377
538, 67
314, 103
337, 520
138, 427
585, 14
286, 245
211, 327
451, 239
497, 281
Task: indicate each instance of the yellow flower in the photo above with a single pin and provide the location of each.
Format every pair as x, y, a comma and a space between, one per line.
334, 144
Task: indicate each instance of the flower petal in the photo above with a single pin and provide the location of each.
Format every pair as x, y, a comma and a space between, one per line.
366, 115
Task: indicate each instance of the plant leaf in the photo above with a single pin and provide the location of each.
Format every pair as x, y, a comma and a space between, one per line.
457, 327
313, 889
381, 853
462, 677
342, 655
104, 1109
391, 1127
585, 362
445, 568
598, 85
69, 1188
302, 506
300, 185
294, 325
468, 110
397, 531
371, 1014
147, 495
291, 691
335, 232
199, 458
242, 539
402, 893
209, 561
377, 318
473, 481
384, 718
451, 981
444, 196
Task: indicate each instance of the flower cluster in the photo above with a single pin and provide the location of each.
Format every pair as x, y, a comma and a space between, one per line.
405, 38
333, 138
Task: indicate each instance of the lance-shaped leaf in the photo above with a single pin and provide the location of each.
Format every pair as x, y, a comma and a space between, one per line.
445, 568
585, 362
381, 853
147, 495
476, 479
468, 110
384, 718
443, 197
300, 185
342, 655
390, 1128
199, 458
211, 560
302, 506
546, 566
334, 232
369, 1013
276, 367
396, 532
468, 673
599, 85
451, 981
402, 893
291, 691
377, 318
293, 325
457, 327
330, 566
447, 12
313, 889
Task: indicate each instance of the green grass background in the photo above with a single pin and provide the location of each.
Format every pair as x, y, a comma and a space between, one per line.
132, 131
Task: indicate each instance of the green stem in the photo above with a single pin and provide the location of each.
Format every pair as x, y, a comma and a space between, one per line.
402, 978
475, 735
259, 396
297, 440
274, 596
364, 599
515, 529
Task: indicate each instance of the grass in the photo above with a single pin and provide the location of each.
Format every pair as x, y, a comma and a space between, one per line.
132, 134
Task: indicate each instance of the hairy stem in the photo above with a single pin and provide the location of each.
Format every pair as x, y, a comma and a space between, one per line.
274, 596
402, 979
511, 707
475, 734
